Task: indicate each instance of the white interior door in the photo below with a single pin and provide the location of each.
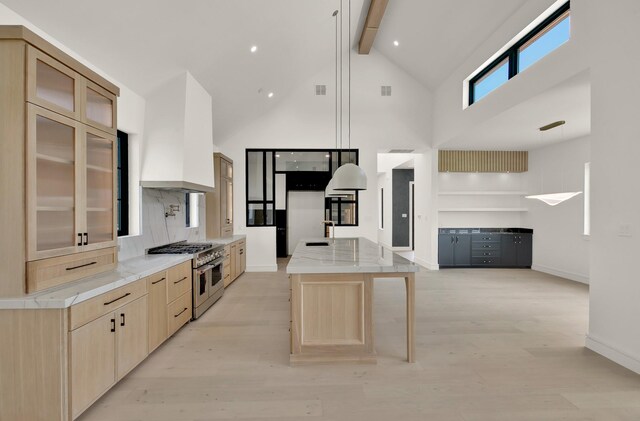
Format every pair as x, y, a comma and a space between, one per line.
304, 216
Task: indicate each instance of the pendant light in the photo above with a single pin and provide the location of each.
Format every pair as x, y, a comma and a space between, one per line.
349, 176
330, 191
553, 199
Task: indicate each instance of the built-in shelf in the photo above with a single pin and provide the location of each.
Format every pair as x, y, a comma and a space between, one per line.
483, 210
483, 193
100, 169
54, 208
54, 159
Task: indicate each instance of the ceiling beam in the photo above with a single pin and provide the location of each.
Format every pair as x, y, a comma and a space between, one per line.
371, 25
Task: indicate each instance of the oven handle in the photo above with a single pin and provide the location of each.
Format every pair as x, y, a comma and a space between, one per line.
203, 269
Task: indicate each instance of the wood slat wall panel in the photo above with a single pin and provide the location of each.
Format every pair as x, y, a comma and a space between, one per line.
483, 161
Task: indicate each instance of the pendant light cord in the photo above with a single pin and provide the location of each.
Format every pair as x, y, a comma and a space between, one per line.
335, 15
349, 51
341, 90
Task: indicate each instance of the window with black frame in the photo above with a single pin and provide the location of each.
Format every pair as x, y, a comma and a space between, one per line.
123, 183
550, 34
313, 168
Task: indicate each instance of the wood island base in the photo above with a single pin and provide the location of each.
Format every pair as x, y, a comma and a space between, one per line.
331, 317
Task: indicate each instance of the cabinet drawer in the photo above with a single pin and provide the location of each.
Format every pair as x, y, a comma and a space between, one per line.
485, 261
93, 308
179, 312
485, 246
227, 231
179, 280
485, 253
47, 273
485, 237
227, 252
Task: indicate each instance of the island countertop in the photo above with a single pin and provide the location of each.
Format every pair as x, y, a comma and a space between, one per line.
346, 255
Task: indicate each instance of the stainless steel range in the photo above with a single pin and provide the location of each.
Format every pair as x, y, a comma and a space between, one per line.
207, 261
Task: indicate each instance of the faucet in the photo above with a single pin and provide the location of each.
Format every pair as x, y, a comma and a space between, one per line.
333, 233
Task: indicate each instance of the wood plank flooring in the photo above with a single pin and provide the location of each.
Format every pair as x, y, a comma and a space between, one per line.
492, 345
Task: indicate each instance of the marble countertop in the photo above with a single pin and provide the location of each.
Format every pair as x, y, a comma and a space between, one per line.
126, 272
346, 255
227, 240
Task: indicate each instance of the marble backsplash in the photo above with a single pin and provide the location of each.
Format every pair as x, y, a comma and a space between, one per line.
158, 229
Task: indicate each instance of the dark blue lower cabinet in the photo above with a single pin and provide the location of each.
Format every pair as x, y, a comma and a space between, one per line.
498, 250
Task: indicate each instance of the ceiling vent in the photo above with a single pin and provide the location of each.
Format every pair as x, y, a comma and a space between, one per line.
321, 89
400, 151
385, 90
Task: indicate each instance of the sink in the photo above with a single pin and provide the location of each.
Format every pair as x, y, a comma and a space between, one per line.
317, 244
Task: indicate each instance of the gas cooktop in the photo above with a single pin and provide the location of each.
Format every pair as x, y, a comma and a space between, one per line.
181, 248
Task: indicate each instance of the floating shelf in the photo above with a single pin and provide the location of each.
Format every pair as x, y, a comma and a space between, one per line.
483, 210
483, 193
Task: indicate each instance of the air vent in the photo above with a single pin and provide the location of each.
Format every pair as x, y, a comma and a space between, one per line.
385, 90
321, 89
401, 150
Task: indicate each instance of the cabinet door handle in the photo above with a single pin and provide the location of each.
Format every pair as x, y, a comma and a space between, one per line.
185, 309
113, 325
122, 319
177, 282
456, 240
158, 281
452, 240
117, 299
79, 239
86, 238
81, 266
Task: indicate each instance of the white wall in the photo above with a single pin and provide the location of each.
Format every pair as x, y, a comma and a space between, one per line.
451, 120
614, 309
426, 208
559, 246
304, 217
303, 120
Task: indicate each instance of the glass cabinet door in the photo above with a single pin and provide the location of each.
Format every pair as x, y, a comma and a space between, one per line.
53, 85
52, 184
99, 107
99, 183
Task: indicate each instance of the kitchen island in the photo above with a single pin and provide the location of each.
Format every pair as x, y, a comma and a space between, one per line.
331, 289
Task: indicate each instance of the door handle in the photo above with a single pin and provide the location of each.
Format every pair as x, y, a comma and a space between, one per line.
456, 240
80, 239
177, 282
158, 281
122, 320
86, 238
113, 325
452, 240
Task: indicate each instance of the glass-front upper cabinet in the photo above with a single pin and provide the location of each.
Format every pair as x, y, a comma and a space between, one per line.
53, 225
99, 182
52, 85
99, 109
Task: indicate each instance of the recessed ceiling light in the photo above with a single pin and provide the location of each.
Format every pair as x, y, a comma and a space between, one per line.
254, 48
396, 43
270, 94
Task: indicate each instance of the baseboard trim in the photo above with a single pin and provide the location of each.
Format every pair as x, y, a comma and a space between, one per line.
430, 266
267, 268
562, 274
619, 357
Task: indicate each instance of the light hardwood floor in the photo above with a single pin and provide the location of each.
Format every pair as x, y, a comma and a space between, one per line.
498, 345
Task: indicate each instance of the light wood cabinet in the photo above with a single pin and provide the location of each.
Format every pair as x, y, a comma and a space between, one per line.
220, 201
132, 342
58, 126
179, 280
235, 261
157, 286
92, 361
179, 312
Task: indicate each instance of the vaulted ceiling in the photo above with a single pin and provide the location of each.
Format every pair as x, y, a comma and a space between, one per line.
143, 43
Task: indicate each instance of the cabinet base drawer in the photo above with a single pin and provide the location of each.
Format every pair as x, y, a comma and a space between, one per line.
485, 261
179, 280
91, 309
179, 312
48, 273
485, 253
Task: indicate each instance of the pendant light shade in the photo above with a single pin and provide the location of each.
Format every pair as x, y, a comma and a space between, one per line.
331, 192
349, 177
553, 199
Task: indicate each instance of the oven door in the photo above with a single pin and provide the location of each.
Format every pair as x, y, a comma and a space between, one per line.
201, 284
215, 282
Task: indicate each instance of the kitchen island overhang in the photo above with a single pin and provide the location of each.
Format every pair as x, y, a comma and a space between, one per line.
331, 290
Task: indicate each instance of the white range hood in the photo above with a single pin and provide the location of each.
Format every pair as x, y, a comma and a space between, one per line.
178, 147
